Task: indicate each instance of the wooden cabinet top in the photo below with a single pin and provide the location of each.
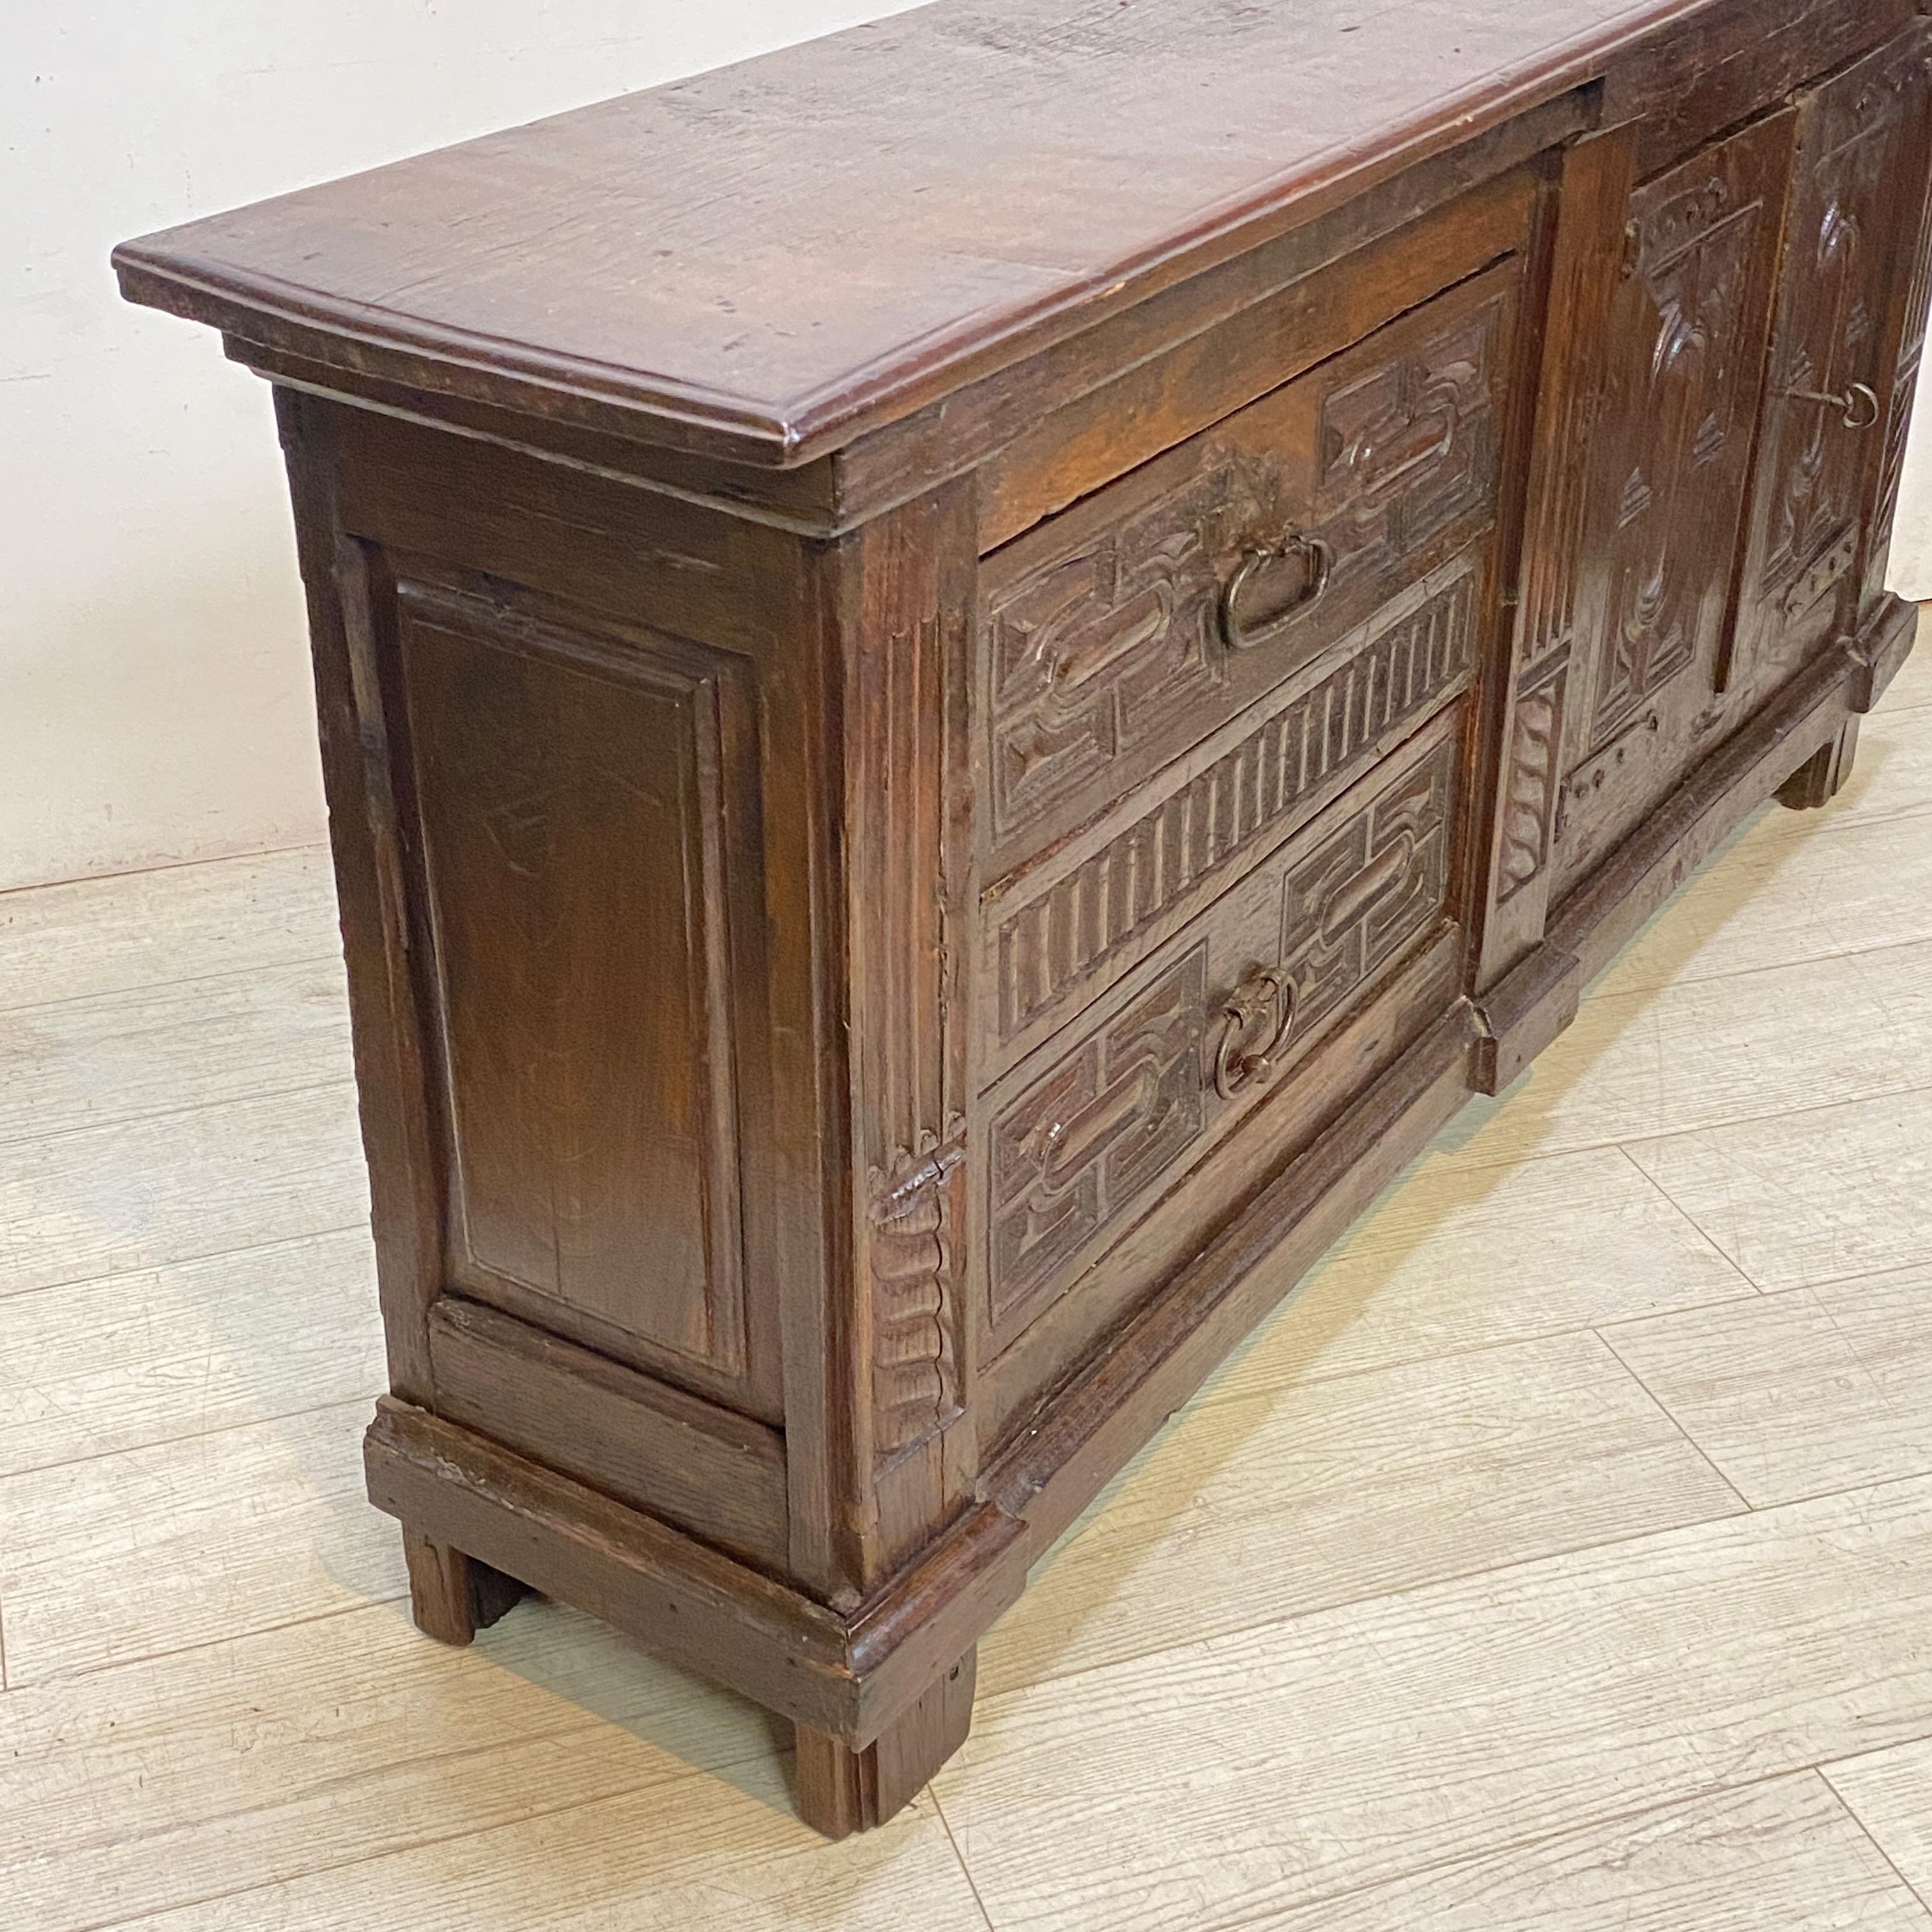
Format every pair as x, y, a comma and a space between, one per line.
763, 262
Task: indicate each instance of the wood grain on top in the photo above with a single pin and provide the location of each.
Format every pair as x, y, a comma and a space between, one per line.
764, 261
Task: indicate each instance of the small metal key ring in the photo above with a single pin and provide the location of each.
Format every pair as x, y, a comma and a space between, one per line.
1859, 403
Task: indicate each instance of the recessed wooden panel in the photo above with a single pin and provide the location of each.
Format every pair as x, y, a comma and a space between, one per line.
571, 789
1669, 454
1848, 254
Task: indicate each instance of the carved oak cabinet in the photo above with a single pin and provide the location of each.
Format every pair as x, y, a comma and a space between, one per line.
971, 674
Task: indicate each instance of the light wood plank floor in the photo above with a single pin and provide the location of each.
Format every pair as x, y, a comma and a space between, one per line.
1586, 1489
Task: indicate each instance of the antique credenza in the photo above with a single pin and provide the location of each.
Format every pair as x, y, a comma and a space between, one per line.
970, 675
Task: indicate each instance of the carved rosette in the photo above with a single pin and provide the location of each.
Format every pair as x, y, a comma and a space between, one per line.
915, 1378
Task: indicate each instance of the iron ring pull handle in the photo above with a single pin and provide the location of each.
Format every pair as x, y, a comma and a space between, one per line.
1859, 403
1321, 557
1263, 994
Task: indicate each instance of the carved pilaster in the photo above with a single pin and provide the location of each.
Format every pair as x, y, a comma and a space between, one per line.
1530, 784
1589, 256
901, 597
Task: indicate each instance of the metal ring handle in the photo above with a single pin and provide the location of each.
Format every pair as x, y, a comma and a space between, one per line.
1321, 557
1265, 993
1861, 406
1859, 403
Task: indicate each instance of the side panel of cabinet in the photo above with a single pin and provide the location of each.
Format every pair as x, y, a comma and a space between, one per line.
1848, 254
563, 740
584, 815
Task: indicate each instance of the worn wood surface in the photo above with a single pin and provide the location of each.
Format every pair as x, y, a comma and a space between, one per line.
1785, 1850
989, 176
114, 1537
1887, 1792
1271, 563
1293, 1762
139, 932
1799, 1392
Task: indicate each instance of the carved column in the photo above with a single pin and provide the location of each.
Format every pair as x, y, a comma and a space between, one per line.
1595, 190
896, 607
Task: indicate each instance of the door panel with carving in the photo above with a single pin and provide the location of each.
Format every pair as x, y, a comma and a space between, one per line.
1684, 375
1848, 253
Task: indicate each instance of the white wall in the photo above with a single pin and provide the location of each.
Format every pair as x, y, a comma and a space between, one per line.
154, 703
153, 696
1912, 535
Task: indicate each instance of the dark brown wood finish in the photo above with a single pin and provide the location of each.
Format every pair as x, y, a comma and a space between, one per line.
1553, 616
1670, 456
992, 725
1821, 444
1023, 170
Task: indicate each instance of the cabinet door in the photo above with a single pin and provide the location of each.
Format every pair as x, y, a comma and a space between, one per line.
1668, 469
1855, 195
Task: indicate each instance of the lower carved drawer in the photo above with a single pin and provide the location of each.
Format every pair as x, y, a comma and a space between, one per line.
1088, 1134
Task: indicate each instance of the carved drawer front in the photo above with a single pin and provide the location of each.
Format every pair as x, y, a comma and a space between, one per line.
582, 826
1117, 635
1068, 927
1085, 1136
1849, 252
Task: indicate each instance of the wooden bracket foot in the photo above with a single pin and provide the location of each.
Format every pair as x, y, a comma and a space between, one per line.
840, 1790
453, 1596
1817, 781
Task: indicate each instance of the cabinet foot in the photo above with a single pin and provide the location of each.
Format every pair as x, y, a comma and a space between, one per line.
840, 1790
1817, 781
453, 1596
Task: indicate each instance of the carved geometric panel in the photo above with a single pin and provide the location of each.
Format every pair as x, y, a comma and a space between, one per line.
1053, 946
1683, 374
1072, 1151
1088, 653
1126, 1102
1376, 884
1828, 329
570, 800
1410, 446
1695, 253
1917, 304
1104, 653
1843, 270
